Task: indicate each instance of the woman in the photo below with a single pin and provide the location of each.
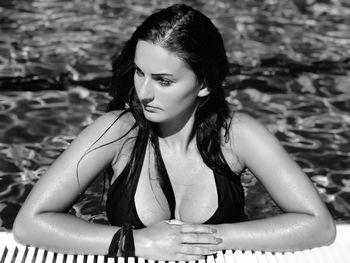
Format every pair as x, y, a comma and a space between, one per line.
173, 151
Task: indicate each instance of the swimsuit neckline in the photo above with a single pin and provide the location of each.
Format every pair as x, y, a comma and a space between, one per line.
121, 206
168, 189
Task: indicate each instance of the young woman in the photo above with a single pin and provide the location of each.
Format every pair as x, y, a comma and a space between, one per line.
173, 151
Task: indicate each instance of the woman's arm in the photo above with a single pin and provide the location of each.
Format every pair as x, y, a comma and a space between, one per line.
306, 222
43, 221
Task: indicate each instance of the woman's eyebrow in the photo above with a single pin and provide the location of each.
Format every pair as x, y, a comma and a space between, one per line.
136, 67
156, 74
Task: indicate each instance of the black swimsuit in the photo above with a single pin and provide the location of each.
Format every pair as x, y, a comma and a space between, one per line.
121, 208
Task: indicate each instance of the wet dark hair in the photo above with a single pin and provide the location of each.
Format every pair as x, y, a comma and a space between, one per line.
190, 35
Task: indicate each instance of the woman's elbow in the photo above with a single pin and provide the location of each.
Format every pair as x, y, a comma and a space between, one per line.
21, 229
330, 232
326, 230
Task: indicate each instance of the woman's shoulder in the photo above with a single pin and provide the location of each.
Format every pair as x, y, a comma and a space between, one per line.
122, 117
112, 125
242, 124
243, 131
241, 118
246, 130
237, 122
248, 135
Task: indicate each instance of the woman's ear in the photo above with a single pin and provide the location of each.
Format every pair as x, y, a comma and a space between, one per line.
204, 91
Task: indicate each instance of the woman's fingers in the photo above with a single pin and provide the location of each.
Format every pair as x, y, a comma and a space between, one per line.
193, 250
175, 240
197, 228
198, 238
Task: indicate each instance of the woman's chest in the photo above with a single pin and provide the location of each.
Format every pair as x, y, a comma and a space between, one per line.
192, 184
191, 188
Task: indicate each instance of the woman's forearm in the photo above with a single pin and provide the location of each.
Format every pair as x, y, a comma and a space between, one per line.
286, 232
64, 233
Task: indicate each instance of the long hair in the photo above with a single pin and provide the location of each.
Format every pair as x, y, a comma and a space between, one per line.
190, 35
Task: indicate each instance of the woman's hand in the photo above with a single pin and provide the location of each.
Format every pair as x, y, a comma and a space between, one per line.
175, 240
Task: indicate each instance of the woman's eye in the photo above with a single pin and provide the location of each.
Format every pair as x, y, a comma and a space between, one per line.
164, 82
138, 72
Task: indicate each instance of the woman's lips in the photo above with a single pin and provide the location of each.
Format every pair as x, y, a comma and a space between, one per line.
150, 108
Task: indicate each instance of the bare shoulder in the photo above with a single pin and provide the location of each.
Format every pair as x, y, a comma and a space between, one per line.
240, 124
241, 120
124, 119
248, 136
245, 127
112, 124
110, 129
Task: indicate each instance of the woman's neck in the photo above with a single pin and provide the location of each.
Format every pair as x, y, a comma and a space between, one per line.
175, 135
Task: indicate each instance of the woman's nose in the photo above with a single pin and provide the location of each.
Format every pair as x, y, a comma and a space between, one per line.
146, 93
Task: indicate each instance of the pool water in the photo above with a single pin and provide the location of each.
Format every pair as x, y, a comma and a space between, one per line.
289, 68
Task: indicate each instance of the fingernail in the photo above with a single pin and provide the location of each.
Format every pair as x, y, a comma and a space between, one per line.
218, 240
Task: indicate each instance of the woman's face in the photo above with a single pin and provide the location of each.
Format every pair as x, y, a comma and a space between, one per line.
166, 87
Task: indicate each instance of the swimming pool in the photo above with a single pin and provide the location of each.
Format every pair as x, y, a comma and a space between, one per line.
289, 67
